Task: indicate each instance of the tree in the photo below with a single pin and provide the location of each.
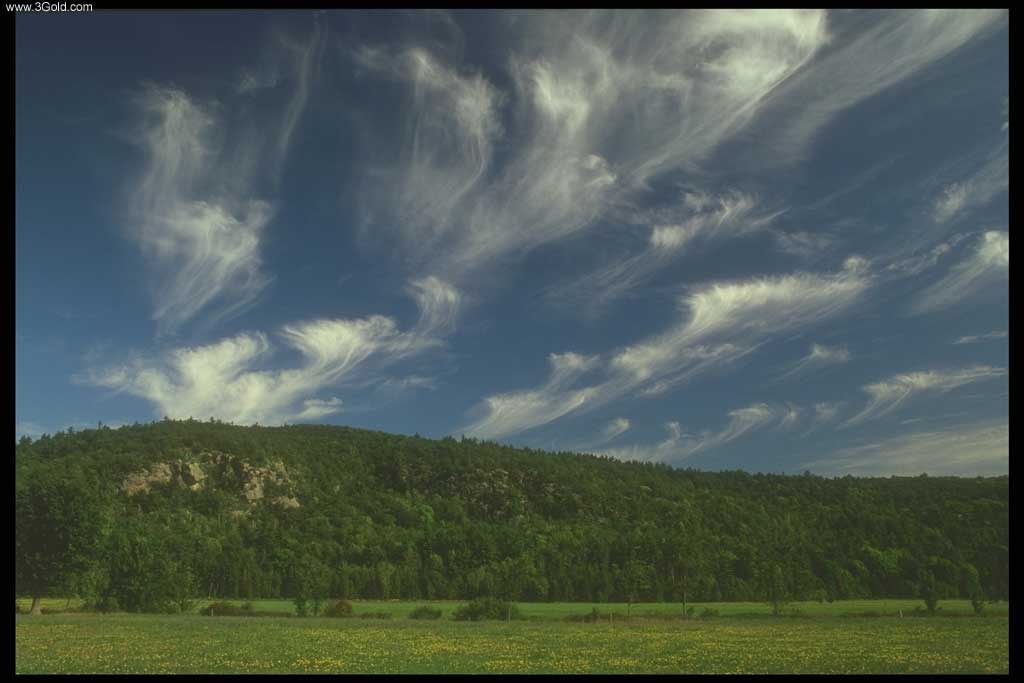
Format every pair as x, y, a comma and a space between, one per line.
636, 579
60, 524
972, 583
929, 593
311, 580
778, 595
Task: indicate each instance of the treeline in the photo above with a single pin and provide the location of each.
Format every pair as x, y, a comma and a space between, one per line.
386, 516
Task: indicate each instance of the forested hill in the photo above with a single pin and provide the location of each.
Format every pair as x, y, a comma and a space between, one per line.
186, 507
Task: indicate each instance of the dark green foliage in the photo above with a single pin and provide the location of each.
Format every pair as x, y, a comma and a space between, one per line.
708, 613
929, 592
425, 612
310, 581
384, 516
972, 586
61, 521
487, 609
374, 615
591, 617
776, 589
226, 609
105, 605
341, 608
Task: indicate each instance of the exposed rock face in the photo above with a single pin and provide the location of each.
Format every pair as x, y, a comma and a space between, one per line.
192, 475
140, 482
253, 483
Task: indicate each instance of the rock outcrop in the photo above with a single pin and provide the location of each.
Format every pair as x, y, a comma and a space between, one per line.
272, 482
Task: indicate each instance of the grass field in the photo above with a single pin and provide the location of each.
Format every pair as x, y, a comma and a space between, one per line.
743, 639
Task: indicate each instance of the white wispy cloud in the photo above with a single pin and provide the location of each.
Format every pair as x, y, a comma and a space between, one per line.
870, 53
989, 336
989, 179
972, 450
725, 322
701, 219
742, 313
439, 304
679, 445
826, 411
304, 60
890, 394
819, 356
616, 427
599, 103
988, 266
232, 379
520, 410
202, 239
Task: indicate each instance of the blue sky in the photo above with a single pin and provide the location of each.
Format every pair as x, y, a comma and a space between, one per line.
736, 239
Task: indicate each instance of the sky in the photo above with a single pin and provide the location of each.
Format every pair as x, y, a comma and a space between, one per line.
774, 241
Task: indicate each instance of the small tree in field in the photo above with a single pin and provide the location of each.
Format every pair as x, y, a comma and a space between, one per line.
929, 593
973, 585
636, 578
311, 581
778, 595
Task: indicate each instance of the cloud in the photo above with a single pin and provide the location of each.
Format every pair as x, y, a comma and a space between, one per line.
517, 411
598, 104
305, 57
227, 379
864, 59
890, 394
314, 408
974, 339
703, 219
989, 179
725, 322
439, 305
743, 311
918, 263
826, 411
818, 357
988, 266
616, 427
202, 240
680, 445
741, 422
972, 450
611, 431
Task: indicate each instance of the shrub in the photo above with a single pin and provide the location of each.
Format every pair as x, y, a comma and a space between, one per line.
708, 613
226, 609
593, 616
425, 612
374, 615
342, 608
483, 609
691, 611
106, 604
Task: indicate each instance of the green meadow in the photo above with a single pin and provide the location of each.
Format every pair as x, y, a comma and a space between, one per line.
865, 636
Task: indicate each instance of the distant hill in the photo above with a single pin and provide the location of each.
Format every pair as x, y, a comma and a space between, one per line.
230, 511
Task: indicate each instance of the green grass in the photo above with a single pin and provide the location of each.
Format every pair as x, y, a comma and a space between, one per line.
559, 610
745, 639
86, 643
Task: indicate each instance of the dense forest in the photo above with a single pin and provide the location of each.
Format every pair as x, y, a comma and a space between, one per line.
149, 516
